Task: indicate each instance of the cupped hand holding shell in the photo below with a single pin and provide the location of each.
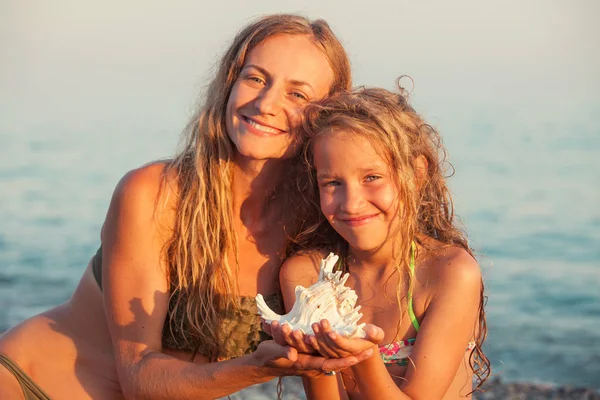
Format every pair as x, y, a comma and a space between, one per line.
324, 308
328, 298
331, 344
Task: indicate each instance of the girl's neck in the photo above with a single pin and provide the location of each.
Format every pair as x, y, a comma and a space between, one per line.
381, 259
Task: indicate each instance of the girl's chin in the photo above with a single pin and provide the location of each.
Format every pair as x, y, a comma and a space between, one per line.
364, 246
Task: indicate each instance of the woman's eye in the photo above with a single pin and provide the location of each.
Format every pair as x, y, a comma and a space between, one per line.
372, 178
300, 96
255, 79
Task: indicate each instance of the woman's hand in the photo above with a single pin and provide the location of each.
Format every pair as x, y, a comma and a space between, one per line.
333, 345
285, 360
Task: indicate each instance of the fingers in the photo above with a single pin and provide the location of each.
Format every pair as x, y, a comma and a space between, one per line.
292, 354
294, 363
285, 336
269, 352
333, 340
338, 364
266, 327
374, 333
277, 334
298, 338
330, 342
320, 343
324, 340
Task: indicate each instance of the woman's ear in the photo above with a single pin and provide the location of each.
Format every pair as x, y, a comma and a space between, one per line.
421, 170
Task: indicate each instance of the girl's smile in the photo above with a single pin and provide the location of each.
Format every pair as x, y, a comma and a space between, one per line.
358, 195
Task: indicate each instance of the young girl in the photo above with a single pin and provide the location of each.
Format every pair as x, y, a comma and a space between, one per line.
376, 168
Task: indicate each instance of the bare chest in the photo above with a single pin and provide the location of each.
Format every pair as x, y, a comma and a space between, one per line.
259, 261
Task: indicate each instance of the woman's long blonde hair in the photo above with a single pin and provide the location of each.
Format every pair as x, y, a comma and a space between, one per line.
400, 135
202, 255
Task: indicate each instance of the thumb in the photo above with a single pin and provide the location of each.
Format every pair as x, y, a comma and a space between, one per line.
286, 352
374, 333
292, 354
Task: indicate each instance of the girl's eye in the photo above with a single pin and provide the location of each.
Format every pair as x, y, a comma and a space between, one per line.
372, 178
331, 183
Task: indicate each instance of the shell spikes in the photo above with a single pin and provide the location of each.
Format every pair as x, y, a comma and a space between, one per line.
328, 298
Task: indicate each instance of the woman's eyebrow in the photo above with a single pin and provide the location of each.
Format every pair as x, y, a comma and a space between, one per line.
302, 83
260, 69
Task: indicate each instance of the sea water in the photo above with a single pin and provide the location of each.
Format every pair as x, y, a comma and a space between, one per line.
526, 189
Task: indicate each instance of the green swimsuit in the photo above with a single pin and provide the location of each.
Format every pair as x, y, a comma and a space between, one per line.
31, 390
240, 330
397, 352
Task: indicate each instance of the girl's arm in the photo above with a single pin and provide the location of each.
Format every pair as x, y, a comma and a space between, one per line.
449, 323
304, 270
136, 302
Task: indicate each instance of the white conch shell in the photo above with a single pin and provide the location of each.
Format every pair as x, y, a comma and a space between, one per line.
327, 299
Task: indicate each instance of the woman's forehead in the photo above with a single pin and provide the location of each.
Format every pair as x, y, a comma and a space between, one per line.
295, 59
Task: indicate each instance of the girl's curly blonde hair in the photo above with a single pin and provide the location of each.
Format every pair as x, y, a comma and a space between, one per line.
401, 136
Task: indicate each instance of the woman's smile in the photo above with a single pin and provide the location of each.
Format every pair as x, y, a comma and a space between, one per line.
260, 128
279, 77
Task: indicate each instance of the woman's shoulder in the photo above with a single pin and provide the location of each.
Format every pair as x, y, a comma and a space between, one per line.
147, 178
154, 182
148, 193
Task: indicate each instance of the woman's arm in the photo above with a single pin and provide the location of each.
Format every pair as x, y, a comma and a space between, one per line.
136, 301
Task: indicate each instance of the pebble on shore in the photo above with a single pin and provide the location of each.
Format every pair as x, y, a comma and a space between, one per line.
494, 389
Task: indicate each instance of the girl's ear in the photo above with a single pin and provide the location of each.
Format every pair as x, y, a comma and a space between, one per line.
421, 169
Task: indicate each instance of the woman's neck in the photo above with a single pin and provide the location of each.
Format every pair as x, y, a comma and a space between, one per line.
254, 184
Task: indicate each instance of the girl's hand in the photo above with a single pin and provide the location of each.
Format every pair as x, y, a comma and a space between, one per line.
285, 360
284, 336
333, 345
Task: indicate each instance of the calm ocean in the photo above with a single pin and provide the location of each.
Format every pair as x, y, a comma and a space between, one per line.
527, 190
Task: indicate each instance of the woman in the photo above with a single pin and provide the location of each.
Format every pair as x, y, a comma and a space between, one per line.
188, 243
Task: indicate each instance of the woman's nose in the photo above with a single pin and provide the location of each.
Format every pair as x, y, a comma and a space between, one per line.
268, 101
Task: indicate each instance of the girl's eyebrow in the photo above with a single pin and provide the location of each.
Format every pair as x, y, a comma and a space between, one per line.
324, 175
294, 82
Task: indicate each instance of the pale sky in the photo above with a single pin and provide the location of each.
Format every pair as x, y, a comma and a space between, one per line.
86, 65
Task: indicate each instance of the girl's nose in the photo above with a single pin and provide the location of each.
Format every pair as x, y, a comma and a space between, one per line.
352, 200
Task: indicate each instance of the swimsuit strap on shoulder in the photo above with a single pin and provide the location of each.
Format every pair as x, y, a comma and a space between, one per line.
411, 312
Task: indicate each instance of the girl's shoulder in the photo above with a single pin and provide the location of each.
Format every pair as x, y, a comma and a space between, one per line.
448, 267
302, 268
